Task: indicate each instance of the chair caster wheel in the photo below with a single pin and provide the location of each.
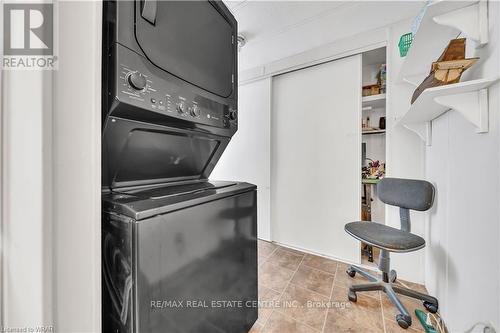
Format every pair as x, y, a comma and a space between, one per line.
352, 295
393, 276
351, 272
431, 307
403, 321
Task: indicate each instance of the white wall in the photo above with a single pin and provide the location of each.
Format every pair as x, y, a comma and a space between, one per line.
405, 154
359, 43
248, 156
292, 32
462, 267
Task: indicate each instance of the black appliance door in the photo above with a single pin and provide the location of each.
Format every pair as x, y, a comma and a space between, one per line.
136, 153
191, 262
163, 155
192, 40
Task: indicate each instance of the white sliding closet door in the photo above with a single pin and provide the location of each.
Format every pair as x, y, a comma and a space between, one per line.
315, 166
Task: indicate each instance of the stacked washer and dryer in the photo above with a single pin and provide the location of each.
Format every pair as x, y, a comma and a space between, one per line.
179, 251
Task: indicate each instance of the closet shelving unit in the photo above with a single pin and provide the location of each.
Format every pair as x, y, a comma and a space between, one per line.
441, 22
373, 102
374, 141
373, 131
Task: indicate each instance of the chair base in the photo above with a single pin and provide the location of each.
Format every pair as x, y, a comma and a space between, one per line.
386, 284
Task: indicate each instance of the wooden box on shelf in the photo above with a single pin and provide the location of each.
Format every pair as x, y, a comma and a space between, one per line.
373, 89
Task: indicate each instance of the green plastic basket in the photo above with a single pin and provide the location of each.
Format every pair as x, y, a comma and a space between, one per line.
404, 44
422, 318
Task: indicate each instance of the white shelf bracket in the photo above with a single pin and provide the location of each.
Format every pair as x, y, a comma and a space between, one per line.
423, 130
472, 21
413, 80
472, 105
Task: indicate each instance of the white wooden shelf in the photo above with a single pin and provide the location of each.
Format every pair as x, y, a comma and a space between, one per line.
373, 102
373, 131
470, 98
443, 21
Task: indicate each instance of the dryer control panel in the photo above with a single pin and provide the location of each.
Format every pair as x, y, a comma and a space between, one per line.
137, 86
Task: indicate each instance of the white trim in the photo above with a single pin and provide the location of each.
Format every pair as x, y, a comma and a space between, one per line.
26, 224
77, 168
336, 50
2, 182
359, 162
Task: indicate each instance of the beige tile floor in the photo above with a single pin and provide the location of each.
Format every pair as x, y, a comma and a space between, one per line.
303, 293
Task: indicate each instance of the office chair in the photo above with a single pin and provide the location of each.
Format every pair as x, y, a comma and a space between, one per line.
406, 194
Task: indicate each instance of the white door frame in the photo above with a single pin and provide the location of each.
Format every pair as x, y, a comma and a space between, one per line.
77, 168
50, 177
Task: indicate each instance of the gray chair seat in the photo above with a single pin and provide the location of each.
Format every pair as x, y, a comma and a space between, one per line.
384, 237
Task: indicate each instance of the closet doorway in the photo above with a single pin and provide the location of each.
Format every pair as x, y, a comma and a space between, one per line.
373, 146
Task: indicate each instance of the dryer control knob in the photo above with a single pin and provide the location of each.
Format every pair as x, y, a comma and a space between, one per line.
195, 111
232, 114
136, 80
180, 107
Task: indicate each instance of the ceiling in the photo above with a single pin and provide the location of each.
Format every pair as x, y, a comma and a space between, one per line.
259, 19
278, 29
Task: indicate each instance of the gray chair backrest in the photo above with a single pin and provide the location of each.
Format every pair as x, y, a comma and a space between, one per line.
406, 193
